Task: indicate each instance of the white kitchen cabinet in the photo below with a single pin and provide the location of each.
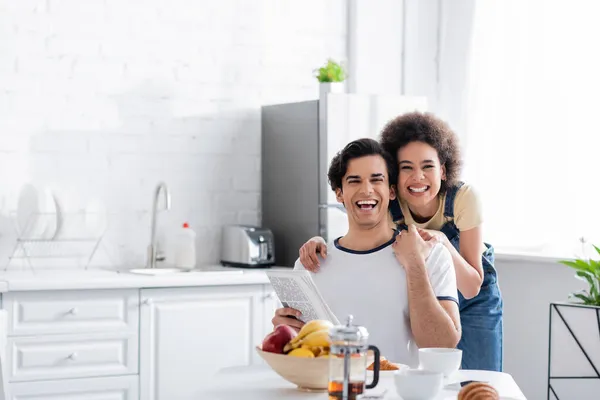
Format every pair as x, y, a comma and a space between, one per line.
188, 334
72, 356
71, 311
129, 342
113, 388
271, 303
73, 344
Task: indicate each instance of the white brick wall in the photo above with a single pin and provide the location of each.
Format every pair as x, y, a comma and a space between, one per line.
104, 98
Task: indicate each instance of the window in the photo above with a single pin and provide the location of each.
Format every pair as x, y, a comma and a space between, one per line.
532, 141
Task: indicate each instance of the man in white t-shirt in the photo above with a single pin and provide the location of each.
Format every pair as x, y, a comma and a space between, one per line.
397, 285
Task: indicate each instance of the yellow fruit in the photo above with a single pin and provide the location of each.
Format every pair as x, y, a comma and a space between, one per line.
301, 353
316, 339
316, 325
288, 347
291, 346
310, 327
324, 352
316, 350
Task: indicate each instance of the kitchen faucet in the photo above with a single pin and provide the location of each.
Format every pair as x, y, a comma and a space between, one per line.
153, 255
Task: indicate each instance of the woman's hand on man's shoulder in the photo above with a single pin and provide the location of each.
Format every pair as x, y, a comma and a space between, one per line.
310, 252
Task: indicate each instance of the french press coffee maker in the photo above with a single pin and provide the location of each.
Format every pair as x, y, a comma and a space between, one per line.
348, 357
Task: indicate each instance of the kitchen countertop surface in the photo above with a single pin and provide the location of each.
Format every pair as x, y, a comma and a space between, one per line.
94, 278
262, 383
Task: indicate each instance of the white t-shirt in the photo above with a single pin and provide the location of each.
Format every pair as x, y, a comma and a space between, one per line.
371, 285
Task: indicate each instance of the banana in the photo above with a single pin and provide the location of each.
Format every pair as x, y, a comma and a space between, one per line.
289, 347
316, 339
316, 350
310, 327
316, 325
321, 351
302, 353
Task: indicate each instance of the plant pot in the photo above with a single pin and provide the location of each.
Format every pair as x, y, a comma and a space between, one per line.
330, 87
574, 351
326, 88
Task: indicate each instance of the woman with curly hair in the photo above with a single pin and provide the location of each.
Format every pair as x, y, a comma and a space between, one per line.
432, 198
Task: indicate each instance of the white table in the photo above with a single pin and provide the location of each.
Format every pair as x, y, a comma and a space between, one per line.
261, 383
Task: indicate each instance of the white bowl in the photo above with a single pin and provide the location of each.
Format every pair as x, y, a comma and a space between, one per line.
418, 384
444, 360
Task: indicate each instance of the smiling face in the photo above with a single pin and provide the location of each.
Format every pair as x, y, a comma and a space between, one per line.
420, 177
366, 191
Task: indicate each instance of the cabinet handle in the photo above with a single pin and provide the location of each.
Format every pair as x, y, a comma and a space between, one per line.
269, 296
72, 356
147, 302
73, 311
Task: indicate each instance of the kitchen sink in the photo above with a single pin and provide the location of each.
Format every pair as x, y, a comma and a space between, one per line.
156, 271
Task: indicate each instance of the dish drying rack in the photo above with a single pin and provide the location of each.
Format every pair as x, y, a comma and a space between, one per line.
57, 240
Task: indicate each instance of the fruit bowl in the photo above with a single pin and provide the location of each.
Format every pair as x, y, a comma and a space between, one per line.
302, 358
309, 374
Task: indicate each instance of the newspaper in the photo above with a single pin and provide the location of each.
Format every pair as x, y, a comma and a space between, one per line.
296, 289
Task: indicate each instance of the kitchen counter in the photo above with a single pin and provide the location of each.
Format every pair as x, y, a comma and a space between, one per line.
262, 383
56, 279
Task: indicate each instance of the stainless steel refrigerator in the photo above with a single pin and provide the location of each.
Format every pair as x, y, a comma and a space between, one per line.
298, 142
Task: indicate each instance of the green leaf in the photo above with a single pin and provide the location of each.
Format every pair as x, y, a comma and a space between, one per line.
584, 265
595, 264
588, 271
578, 265
331, 72
585, 299
591, 279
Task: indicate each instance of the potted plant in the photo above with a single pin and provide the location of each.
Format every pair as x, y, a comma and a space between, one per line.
589, 271
574, 341
331, 77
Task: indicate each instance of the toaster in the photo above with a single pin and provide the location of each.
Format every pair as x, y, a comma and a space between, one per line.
247, 246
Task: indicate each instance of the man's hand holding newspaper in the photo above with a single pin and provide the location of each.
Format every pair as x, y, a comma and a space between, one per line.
297, 290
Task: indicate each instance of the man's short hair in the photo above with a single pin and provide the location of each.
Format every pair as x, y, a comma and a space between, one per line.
357, 149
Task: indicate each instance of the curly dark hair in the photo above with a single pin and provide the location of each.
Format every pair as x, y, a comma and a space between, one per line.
425, 127
357, 149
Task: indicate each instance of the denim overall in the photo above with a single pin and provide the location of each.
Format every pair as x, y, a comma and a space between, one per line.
481, 316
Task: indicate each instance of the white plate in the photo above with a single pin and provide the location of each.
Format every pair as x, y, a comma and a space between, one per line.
36, 212
53, 216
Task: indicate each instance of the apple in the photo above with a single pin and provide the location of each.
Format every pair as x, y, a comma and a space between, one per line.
275, 341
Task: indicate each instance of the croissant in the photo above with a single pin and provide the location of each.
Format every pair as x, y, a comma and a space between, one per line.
384, 365
478, 391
